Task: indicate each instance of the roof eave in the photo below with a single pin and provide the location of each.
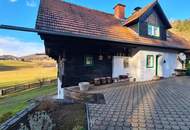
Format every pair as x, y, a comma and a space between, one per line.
69, 34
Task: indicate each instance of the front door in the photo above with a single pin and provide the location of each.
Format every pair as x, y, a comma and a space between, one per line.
157, 56
158, 69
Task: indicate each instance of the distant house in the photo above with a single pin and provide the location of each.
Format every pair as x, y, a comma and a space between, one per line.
87, 43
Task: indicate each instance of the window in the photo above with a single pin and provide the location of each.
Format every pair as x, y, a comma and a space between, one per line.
150, 61
88, 60
126, 62
153, 30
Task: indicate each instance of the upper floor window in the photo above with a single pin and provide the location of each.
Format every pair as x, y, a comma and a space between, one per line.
126, 62
153, 30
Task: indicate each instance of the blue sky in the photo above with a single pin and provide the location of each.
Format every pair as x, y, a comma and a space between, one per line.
24, 12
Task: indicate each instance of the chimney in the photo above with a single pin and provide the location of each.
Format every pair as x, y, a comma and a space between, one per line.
119, 11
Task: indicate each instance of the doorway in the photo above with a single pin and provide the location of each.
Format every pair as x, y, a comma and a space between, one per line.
157, 65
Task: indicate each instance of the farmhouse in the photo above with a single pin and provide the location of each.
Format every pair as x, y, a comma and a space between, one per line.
88, 44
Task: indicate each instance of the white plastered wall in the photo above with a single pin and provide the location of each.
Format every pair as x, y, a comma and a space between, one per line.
118, 66
137, 64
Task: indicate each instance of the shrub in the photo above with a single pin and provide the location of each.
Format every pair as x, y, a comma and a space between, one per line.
188, 67
47, 104
23, 127
5, 116
38, 121
78, 128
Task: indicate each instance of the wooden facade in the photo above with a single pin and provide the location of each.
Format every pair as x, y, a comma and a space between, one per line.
70, 54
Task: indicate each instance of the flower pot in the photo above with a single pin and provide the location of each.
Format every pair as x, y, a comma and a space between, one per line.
84, 86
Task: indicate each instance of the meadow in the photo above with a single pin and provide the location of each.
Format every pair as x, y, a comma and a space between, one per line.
14, 103
19, 72
14, 72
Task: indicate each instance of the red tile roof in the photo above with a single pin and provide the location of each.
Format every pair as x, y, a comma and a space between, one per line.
139, 13
62, 17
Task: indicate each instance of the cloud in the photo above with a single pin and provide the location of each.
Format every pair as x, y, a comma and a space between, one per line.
14, 46
31, 3
13, 1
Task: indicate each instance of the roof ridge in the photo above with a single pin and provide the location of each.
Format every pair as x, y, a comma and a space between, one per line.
149, 6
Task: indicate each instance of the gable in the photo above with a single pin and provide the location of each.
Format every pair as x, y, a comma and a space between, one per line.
154, 19
149, 10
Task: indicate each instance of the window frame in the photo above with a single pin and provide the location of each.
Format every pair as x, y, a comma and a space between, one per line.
126, 62
153, 31
85, 60
147, 65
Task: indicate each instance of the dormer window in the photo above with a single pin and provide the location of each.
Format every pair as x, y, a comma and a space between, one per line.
153, 30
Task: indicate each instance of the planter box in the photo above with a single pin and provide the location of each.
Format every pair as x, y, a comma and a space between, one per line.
97, 82
103, 80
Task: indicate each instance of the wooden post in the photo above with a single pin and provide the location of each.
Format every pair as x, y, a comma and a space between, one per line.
60, 78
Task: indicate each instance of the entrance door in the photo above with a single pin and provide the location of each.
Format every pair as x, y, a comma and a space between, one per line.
157, 56
158, 66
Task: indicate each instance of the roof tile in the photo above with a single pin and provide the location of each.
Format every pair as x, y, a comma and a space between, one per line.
59, 16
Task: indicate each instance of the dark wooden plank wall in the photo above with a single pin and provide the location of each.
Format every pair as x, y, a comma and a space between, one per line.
74, 51
76, 71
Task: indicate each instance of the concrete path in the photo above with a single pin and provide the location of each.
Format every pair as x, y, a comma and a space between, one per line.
152, 105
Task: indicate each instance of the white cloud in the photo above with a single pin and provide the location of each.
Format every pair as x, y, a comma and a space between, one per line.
31, 3
14, 46
13, 1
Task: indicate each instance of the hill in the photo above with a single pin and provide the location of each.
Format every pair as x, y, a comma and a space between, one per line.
31, 68
8, 57
38, 56
33, 57
181, 28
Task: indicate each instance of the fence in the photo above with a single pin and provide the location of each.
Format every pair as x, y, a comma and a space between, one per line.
22, 87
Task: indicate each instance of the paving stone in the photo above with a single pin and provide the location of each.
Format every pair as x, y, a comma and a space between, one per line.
184, 128
167, 127
126, 128
138, 106
118, 128
110, 128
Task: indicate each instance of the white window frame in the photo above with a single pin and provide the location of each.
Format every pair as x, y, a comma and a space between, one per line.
153, 30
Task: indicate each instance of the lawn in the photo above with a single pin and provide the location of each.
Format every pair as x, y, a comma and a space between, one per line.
16, 102
18, 72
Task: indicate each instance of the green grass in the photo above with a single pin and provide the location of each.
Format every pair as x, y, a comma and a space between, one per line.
19, 72
14, 103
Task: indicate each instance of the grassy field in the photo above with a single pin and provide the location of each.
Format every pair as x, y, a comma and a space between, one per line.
14, 103
18, 72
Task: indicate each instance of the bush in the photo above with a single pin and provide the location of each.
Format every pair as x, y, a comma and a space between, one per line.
78, 128
188, 67
5, 116
38, 121
47, 104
